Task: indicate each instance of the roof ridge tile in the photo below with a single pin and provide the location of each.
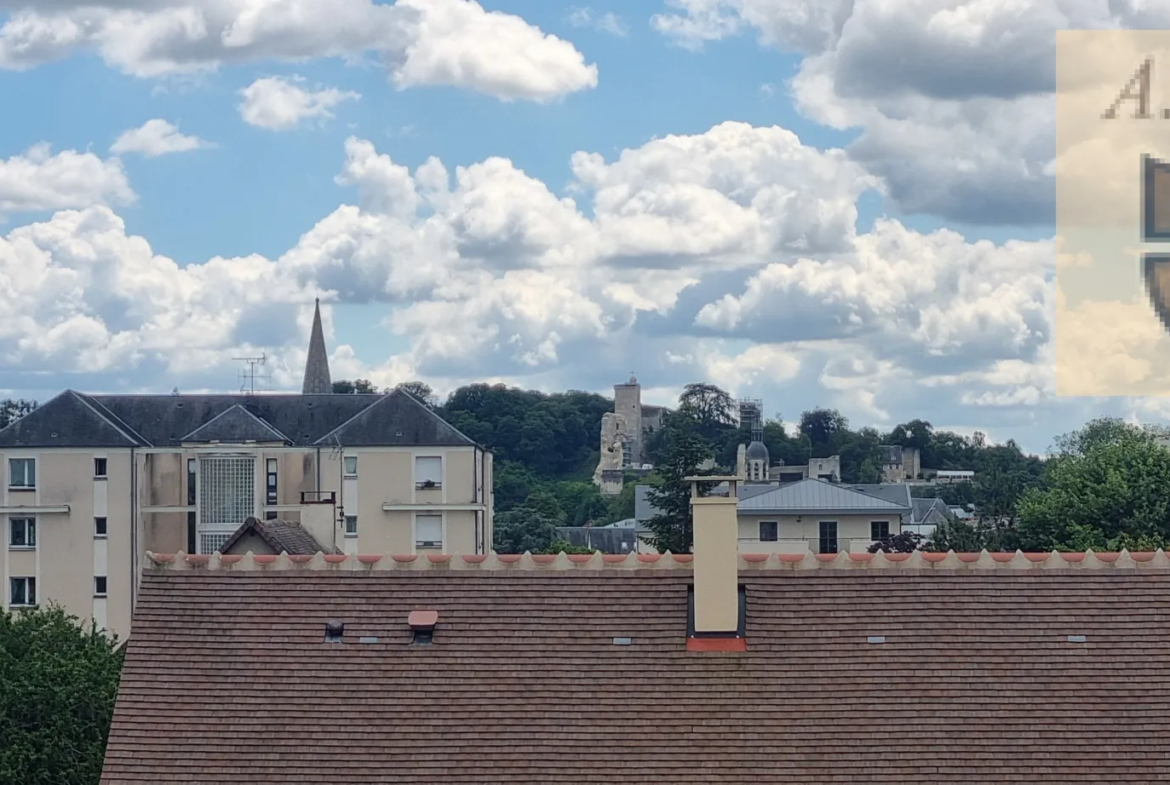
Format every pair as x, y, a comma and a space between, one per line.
527, 562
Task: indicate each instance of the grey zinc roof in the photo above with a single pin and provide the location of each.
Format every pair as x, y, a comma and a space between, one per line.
73, 419
898, 493
819, 496
644, 510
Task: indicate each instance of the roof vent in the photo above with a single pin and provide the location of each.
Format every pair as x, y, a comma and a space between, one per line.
623, 641
422, 623
1076, 639
368, 639
333, 631
876, 639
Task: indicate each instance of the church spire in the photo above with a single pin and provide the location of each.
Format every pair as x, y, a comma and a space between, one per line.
317, 379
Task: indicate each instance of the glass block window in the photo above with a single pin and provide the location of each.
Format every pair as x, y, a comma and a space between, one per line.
227, 496
212, 542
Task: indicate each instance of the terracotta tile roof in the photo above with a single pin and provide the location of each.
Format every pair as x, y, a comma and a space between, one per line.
969, 668
282, 536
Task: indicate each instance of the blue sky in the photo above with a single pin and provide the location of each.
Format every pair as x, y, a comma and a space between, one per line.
805, 270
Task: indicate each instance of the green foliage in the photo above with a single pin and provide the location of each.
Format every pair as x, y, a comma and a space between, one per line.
421, 391
823, 427
59, 681
344, 387
564, 546
12, 409
974, 536
1105, 489
671, 530
553, 436
524, 529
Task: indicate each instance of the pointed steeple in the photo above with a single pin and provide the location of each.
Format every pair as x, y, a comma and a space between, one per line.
317, 379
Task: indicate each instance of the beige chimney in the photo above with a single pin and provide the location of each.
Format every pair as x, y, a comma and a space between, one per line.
716, 563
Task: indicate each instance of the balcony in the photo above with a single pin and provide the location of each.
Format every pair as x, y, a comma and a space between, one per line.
319, 497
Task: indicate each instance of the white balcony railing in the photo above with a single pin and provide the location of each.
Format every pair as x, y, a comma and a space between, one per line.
801, 545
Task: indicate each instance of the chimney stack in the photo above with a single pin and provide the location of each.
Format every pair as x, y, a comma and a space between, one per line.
718, 623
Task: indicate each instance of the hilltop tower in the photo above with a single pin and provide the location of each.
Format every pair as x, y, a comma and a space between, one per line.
627, 401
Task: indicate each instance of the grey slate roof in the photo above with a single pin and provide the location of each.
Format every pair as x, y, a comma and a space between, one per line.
67, 420
73, 419
891, 454
235, 424
282, 536
808, 496
928, 511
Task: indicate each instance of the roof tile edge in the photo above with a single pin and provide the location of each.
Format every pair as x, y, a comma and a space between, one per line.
528, 562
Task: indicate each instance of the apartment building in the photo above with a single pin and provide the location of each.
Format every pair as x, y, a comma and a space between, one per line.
93, 482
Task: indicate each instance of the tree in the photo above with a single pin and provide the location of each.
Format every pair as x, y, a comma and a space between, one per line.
916, 434
820, 426
12, 409
524, 529
1105, 489
421, 392
343, 387
671, 529
711, 408
59, 683
902, 542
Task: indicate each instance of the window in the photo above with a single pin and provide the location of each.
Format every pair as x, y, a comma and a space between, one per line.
22, 473
769, 531
270, 488
428, 531
99, 527
192, 525
351, 526
22, 591
828, 537
191, 465
428, 471
99, 586
227, 497
351, 466
270, 515
99, 467
22, 532
879, 530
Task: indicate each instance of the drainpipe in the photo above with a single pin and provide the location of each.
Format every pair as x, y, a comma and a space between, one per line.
135, 564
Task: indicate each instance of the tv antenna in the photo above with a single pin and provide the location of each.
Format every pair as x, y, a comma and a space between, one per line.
250, 376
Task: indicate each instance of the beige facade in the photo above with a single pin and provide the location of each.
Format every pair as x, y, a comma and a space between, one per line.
77, 522
801, 533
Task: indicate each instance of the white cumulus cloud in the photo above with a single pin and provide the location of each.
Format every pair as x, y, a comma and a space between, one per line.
154, 138
281, 104
40, 179
421, 42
